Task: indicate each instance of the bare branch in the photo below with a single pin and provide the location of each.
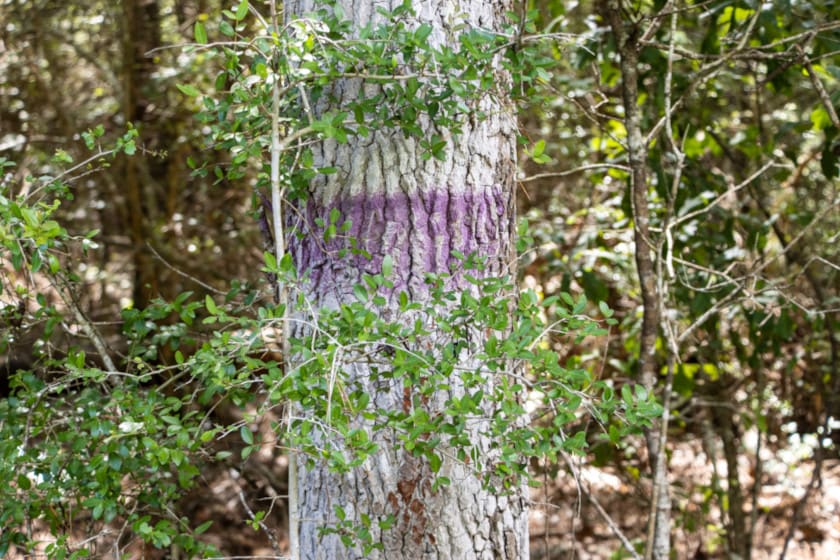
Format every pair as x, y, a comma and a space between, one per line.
656, 21
616, 530
567, 172
824, 98
183, 274
66, 295
268, 532
720, 198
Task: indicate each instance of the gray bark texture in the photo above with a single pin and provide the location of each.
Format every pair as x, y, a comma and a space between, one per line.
417, 211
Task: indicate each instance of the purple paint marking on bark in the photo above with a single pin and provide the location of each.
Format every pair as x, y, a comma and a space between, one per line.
440, 235
419, 231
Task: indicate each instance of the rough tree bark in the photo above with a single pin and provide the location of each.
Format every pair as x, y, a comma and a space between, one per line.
417, 211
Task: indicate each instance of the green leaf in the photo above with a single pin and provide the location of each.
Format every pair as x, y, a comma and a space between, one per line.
286, 264
227, 29
388, 522
246, 435
335, 214
435, 462
820, 118
35, 262
387, 266
200, 33
54, 264
211, 305
203, 527
422, 32
360, 292
29, 216
89, 140
221, 81
241, 10
440, 481
23, 482
187, 89
61, 156
627, 395
270, 261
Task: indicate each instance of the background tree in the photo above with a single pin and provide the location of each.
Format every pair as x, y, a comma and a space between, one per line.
680, 108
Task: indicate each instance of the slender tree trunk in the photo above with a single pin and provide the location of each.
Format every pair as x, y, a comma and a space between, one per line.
736, 531
417, 212
152, 185
140, 34
628, 46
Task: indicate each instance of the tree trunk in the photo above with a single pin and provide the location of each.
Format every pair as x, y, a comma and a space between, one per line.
417, 212
152, 185
629, 49
140, 34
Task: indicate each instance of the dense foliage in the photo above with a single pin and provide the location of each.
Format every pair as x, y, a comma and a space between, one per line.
679, 180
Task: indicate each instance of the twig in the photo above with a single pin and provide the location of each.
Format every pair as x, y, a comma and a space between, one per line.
824, 97
256, 13
183, 274
90, 331
587, 167
601, 511
660, 505
205, 46
704, 74
815, 482
709, 312
720, 198
637, 150
282, 289
656, 21
805, 34
269, 533
100, 154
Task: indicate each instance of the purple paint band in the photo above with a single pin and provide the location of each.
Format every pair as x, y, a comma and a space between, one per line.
420, 231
